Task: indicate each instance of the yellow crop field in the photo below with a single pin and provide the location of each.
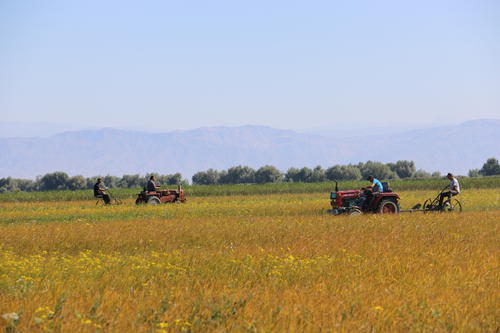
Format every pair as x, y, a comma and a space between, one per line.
262, 263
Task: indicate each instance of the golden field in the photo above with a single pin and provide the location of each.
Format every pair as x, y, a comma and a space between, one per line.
263, 263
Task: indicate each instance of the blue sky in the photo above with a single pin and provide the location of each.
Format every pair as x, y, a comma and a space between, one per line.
287, 64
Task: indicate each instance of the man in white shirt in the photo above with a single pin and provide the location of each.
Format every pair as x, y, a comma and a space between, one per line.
454, 189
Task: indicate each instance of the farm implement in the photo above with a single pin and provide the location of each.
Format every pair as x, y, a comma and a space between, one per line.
349, 202
161, 196
113, 200
432, 205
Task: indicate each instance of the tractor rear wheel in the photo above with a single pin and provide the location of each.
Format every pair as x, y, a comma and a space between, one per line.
153, 201
388, 207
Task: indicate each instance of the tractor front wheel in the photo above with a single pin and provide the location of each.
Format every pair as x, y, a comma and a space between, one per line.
154, 201
388, 207
355, 212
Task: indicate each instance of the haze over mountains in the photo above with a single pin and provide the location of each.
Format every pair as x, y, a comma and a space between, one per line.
456, 148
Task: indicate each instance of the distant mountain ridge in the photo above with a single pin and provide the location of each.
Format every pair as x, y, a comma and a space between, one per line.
117, 152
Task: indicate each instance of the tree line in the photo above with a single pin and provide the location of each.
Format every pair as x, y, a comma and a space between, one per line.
61, 181
241, 175
490, 168
270, 174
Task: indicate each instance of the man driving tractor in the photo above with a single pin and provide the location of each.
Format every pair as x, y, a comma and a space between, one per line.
454, 189
368, 192
152, 187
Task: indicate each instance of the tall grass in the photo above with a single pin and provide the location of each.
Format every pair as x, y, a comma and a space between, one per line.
248, 263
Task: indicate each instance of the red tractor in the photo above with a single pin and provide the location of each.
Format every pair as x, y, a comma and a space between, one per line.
347, 202
161, 196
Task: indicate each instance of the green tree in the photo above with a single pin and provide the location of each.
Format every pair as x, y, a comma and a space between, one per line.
209, 177
131, 181
343, 172
305, 175
404, 169
421, 174
223, 177
239, 175
474, 173
26, 185
91, 181
9, 185
318, 175
436, 174
377, 170
111, 181
54, 181
268, 174
174, 179
77, 183
490, 168
292, 175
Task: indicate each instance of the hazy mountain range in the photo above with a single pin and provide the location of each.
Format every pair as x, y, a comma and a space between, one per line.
455, 148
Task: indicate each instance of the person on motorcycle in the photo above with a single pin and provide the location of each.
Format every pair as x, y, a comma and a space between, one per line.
454, 189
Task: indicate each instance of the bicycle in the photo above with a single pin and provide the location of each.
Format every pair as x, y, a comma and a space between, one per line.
449, 205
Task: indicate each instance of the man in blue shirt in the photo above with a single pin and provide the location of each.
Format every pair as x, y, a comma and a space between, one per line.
368, 192
376, 185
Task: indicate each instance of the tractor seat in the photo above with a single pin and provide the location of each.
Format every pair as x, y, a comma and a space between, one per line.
386, 187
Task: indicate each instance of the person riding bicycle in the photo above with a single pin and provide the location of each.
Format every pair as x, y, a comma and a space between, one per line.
151, 186
368, 192
100, 191
454, 189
